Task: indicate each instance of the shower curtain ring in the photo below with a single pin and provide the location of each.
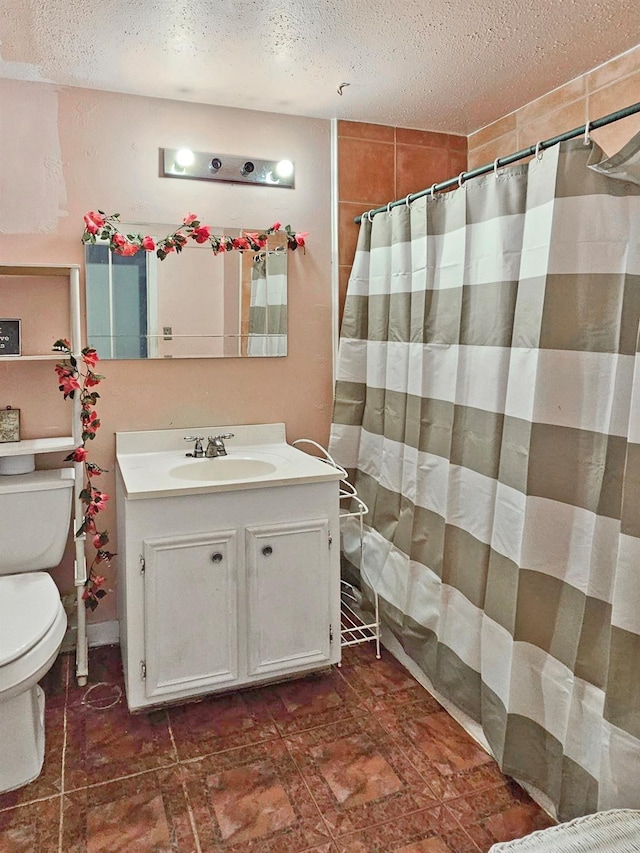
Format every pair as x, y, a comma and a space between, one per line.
495, 166
370, 216
433, 190
406, 201
587, 137
460, 179
538, 152
389, 208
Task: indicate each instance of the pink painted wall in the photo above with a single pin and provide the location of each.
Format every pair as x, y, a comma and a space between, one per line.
198, 309
65, 151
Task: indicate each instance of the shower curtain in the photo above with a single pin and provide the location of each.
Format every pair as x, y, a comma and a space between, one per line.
268, 305
488, 411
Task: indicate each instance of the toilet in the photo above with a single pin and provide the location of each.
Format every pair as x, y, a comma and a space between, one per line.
35, 511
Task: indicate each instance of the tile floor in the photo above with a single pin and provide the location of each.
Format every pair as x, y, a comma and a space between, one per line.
355, 760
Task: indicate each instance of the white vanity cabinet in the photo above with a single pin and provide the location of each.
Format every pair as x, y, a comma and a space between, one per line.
224, 589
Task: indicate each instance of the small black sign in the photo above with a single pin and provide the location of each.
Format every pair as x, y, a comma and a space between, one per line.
9, 337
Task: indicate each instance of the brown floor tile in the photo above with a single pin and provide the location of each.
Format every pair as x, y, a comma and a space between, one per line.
49, 782
31, 829
383, 683
317, 700
450, 761
353, 759
429, 831
499, 814
253, 798
357, 774
142, 814
107, 744
218, 723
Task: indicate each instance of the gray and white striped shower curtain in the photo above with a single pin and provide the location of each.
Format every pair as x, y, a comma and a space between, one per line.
488, 410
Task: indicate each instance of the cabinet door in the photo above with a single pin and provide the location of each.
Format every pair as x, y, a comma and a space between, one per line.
190, 603
288, 582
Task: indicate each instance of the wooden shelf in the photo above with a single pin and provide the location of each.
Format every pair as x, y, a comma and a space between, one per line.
37, 445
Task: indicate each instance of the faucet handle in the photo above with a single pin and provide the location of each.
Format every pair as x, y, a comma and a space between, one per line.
217, 437
197, 451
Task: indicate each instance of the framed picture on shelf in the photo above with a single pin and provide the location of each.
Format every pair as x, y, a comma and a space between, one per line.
9, 425
10, 343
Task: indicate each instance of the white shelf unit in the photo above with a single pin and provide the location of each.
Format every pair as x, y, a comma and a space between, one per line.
356, 626
64, 443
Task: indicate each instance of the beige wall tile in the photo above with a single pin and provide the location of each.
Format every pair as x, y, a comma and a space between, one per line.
492, 131
609, 99
552, 101
499, 147
613, 70
547, 125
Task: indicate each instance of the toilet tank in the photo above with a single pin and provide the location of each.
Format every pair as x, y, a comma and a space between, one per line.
35, 511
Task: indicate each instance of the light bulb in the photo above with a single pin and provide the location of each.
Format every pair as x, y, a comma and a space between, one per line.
184, 157
284, 168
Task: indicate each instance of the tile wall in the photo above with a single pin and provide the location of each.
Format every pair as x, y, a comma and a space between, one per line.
378, 164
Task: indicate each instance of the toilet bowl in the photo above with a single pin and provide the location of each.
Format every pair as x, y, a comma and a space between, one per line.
32, 626
32, 618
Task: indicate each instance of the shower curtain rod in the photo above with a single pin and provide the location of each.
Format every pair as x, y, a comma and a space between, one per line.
506, 161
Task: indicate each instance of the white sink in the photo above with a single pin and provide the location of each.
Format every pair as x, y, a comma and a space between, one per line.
223, 468
153, 463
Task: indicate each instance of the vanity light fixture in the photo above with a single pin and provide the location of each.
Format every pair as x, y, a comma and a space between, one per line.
232, 168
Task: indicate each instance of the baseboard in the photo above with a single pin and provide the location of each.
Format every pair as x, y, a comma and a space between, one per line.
103, 633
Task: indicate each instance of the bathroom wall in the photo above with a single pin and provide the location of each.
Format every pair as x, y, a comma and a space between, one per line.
378, 164
605, 89
65, 151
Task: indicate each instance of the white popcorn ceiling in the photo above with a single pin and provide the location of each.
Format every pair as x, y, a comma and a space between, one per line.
445, 65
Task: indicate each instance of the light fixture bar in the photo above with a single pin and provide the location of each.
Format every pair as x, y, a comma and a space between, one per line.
200, 165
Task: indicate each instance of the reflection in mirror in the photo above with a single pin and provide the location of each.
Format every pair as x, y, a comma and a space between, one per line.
195, 305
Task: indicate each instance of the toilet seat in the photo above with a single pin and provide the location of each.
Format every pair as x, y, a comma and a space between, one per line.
29, 604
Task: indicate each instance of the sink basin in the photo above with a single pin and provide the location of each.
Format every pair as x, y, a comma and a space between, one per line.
222, 468
154, 463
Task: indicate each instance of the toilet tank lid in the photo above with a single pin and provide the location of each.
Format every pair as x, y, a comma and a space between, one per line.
56, 478
29, 604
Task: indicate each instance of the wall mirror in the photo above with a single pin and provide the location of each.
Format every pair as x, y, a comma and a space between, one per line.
192, 305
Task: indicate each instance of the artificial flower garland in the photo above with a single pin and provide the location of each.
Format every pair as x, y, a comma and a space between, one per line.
99, 225
71, 380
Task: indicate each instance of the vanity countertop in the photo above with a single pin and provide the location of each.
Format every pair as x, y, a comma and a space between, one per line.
154, 463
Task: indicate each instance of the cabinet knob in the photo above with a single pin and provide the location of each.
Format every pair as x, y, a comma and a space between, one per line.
217, 557
267, 550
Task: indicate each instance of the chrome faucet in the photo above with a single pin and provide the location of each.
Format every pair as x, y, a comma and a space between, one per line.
198, 452
216, 447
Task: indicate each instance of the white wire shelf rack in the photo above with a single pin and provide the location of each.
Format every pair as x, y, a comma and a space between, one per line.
357, 624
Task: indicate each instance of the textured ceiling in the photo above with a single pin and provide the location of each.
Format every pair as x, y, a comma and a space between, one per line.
448, 65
